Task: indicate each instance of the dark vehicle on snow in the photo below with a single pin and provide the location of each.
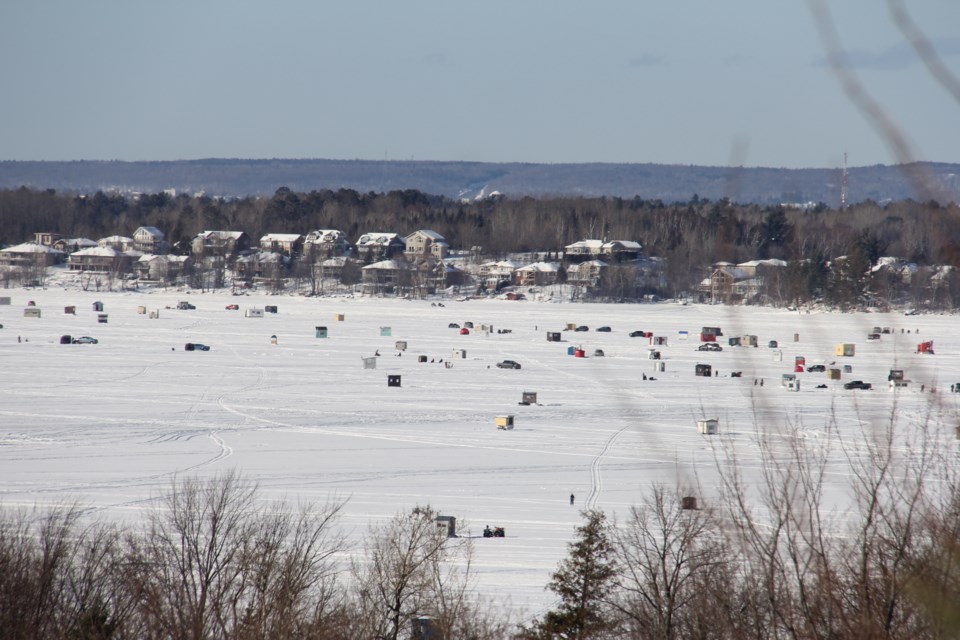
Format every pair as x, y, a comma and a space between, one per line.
508, 364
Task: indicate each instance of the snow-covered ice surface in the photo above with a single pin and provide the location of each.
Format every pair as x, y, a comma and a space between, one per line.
111, 424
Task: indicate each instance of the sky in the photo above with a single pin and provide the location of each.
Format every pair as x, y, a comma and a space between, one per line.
742, 82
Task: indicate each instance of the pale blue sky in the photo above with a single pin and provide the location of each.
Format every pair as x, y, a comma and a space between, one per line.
685, 82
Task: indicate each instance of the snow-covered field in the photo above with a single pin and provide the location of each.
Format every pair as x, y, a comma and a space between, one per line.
111, 424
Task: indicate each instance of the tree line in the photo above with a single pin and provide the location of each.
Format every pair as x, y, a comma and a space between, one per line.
689, 236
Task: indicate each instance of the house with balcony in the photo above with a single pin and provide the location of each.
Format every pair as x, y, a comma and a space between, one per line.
372, 247
222, 244
538, 273
322, 244
426, 242
100, 259
149, 240
289, 245
30, 254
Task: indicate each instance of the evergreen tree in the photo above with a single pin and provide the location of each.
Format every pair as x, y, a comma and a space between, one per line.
583, 582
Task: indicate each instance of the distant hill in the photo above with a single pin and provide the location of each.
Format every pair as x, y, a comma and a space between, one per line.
670, 183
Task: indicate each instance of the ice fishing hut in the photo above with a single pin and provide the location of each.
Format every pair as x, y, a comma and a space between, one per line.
141, 310
749, 341
102, 318
421, 358
847, 368
98, 306
772, 344
66, 340
460, 353
925, 347
787, 378
400, 345
733, 341
270, 308
895, 374
710, 334
688, 503
31, 312
319, 332
833, 374
660, 341
370, 363
393, 381
704, 370
273, 340
528, 397
845, 349
449, 523
707, 426
504, 422
253, 313
571, 326
659, 366
653, 354
778, 355
5, 301
339, 317
553, 336
386, 332
154, 314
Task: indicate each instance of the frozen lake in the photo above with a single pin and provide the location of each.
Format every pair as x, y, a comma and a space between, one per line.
111, 424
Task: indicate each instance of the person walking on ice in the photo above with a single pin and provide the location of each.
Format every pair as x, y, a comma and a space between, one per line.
571, 499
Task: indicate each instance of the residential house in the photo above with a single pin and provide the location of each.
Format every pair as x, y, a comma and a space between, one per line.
611, 251
286, 244
221, 244
731, 283
426, 243
383, 276
586, 273
379, 246
538, 273
430, 275
119, 243
70, 245
149, 240
46, 238
326, 243
496, 274
162, 268
30, 254
99, 259
261, 266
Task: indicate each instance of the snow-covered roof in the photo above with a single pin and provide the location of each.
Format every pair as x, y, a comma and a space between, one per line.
629, 245
153, 231
542, 267
370, 239
383, 264
103, 252
589, 263
770, 262
116, 240
30, 247
336, 261
433, 235
323, 236
280, 237
223, 235
589, 244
